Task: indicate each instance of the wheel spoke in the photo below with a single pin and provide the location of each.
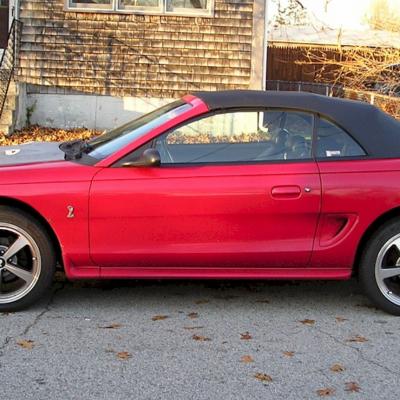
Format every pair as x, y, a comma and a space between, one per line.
19, 272
18, 245
396, 244
386, 273
1, 280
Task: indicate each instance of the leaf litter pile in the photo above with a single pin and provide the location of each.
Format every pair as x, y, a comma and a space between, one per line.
39, 134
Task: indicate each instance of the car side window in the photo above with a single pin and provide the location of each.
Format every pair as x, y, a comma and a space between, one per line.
239, 136
333, 142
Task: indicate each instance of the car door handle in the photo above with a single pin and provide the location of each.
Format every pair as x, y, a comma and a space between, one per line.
286, 192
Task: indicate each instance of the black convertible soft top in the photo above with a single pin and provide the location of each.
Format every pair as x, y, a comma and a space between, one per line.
376, 131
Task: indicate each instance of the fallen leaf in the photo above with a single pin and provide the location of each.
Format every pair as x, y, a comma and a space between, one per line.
200, 338
352, 387
245, 336
288, 353
341, 319
124, 355
202, 301
337, 368
247, 359
262, 377
193, 315
357, 339
159, 317
26, 344
325, 392
189, 328
308, 322
111, 326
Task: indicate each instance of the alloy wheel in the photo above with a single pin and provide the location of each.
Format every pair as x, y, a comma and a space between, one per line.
20, 263
387, 270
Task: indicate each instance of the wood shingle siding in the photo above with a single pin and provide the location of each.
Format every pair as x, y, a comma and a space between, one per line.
133, 54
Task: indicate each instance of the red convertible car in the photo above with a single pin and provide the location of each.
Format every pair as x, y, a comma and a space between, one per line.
236, 184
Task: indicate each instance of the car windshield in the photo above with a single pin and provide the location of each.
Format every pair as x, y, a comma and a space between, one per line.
114, 140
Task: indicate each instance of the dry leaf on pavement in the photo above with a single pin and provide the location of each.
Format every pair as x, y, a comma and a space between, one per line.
193, 315
325, 392
245, 336
288, 353
307, 322
111, 326
159, 317
262, 377
352, 387
341, 319
200, 338
124, 355
26, 344
246, 359
337, 368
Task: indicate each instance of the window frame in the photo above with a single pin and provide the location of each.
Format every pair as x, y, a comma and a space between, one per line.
162, 9
318, 117
151, 143
89, 7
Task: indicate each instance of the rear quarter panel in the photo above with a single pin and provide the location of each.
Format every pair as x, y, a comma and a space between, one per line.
362, 189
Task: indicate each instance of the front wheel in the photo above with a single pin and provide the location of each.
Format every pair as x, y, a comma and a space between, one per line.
380, 268
27, 260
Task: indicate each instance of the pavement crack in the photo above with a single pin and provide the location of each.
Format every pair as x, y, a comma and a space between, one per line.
4, 345
34, 322
45, 310
359, 352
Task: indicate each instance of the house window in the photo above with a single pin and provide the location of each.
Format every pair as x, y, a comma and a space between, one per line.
180, 7
187, 6
91, 4
137, 5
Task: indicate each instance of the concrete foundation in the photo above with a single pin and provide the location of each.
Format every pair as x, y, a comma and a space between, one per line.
68, 111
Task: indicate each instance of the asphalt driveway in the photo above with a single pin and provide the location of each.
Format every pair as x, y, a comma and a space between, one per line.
200, 340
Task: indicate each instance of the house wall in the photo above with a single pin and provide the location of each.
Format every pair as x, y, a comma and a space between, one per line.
136, 55
128, 57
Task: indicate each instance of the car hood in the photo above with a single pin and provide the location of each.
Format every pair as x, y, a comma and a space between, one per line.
39, 162
29, 153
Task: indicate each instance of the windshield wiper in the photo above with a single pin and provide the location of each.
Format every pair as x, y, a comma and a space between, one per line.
74, 149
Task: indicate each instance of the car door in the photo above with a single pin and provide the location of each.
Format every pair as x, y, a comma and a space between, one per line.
234, 189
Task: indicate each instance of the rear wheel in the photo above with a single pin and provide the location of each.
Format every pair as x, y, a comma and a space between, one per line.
27, 260
380, 268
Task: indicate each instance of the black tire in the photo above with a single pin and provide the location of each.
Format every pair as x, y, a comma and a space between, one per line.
373, 251
46, 260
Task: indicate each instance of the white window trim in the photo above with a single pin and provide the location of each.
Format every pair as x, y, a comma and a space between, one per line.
160, 10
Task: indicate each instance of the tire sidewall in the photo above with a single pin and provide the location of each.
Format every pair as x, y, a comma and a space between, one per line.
368, 265
47, 255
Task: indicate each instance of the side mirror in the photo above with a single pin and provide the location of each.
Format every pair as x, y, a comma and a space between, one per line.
149, 158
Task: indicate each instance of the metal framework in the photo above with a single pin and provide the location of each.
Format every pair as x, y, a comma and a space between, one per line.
9, 61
